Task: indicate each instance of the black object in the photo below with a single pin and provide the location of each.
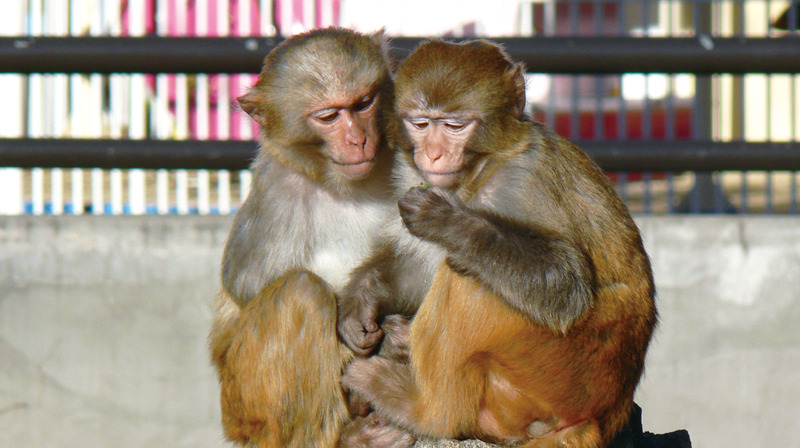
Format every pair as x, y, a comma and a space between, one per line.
632, 435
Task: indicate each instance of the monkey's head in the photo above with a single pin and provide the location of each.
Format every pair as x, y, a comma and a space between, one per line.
458, 103
322, 101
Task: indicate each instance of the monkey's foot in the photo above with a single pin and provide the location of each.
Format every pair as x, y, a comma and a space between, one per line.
374, 432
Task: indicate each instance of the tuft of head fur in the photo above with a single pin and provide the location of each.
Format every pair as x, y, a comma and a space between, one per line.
474, 75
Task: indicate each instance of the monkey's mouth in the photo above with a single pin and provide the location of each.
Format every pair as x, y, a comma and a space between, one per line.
356, 169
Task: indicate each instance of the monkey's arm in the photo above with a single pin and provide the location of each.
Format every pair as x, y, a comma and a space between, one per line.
360, 302
267, 234
536, 270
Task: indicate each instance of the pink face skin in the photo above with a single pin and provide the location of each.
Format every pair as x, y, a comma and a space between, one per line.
439, 143
349, 125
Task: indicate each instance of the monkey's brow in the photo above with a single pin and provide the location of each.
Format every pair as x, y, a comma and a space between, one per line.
438, 115
345, 100
456, 118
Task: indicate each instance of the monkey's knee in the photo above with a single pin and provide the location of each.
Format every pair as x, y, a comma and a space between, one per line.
306, 291
282, 370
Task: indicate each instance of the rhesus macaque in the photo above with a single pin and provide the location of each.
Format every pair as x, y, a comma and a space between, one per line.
536, 324
321, 192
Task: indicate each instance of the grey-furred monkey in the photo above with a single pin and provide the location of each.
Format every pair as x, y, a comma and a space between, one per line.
320, 195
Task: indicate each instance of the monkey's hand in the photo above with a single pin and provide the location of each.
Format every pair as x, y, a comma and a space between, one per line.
396, 329
387, 385
429, 213
358, 328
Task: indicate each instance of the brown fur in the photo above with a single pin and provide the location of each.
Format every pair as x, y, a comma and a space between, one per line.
262, 403
536, 326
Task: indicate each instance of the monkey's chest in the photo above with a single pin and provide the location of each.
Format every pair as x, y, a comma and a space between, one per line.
343, 240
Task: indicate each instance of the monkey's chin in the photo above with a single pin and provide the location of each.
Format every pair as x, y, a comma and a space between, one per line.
354, 170
443, 180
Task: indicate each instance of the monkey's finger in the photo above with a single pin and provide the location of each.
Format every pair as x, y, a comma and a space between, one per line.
369, 319
369, 341
369, 324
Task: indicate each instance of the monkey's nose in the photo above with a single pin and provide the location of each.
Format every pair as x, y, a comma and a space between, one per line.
434, 152
356, 139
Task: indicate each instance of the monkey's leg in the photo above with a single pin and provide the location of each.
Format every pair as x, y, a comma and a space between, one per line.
280, 372
462, 350
449, 385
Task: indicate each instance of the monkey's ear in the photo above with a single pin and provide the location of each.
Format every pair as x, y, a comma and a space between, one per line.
380, 38
517, 76
249, 101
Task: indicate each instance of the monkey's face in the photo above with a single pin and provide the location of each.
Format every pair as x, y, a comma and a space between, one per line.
348, 124
440, 141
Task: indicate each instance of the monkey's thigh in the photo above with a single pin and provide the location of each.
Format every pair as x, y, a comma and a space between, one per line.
281, 378
447, 335
468, 360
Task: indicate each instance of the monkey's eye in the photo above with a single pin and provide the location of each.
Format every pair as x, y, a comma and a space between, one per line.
419, 124
364, 104
326, 115
455, 126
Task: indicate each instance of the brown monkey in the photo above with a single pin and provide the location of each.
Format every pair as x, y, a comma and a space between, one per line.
320, 193
535, 327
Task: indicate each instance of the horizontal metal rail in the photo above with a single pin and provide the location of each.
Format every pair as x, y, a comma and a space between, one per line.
612, 156
702, 54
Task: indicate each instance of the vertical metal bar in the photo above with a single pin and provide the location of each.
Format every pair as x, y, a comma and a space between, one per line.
164, 120
549, 19
138, 111
202, 111
36, 109
769, 206
646, 125
646, 114
223, 110
574, 117
598, 79
718, 196
118, 113
622, 115
744, 207
669, 114
178, 27
670, 192
56, 17
739, 122
702, 193
96, 100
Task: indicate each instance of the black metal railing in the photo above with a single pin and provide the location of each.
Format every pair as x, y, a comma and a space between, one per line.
700, 55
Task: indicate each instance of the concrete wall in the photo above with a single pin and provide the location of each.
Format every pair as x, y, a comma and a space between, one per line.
103, 323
